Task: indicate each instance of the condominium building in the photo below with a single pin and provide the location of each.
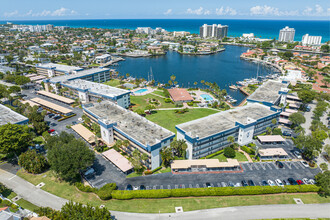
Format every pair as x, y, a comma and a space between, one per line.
311, 40
54, 69
210, 134
9, 116
286, 34
118, 123
216, 31
88, 91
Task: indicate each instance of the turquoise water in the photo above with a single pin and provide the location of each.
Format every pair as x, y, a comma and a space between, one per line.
206, 97
263, 28
141, 91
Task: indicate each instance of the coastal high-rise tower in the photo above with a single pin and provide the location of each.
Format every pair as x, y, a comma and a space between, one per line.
311, 40
216, 31
286, 34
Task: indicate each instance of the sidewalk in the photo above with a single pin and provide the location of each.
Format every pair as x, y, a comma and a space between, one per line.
30, 192
246, 155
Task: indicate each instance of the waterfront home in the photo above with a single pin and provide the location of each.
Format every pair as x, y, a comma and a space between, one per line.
180, 95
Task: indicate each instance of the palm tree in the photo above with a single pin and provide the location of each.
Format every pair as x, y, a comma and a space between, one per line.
231, 139
167, 156
127, 75
125, 143
202, 82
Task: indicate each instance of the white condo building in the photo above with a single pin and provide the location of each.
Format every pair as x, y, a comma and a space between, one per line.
286, 34
311, 40
217, 31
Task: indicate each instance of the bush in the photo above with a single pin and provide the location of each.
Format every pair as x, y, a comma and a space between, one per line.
214, 191
190, 103
84, 188
277, 131
33, 162
105, 191
229, 152
148, 172
155, 170
168, 100
178, 105
214, 154
248, 150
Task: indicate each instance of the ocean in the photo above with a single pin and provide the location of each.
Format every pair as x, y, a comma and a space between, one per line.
261, 28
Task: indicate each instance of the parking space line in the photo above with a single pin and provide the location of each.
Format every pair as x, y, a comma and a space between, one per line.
300, 164
276, 167
250, 166
190, 186
204, 185
255, 165
212, 184
168, 187
295, 165
288, 164
263, 166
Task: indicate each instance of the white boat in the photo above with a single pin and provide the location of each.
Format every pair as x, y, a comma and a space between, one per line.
233, 87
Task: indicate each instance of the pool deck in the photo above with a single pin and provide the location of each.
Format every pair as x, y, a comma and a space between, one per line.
149, 90
198, 97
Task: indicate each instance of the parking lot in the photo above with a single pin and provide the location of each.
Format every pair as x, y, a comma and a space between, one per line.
288, 146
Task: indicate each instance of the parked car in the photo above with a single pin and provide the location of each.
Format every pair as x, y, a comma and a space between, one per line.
57, 117
230, 183
208, 185
51, 130
90, 171
300, 182
74, 123
287, 133
297, 154
244, 183
53, 124
251, 183
238, 185
51, 115
223, 184
129, 187
292, 181
305, 181
311, 181
80, 119
142, 187
135, 187
305, 163
279, 164
271, 182
285, 182
264, 183
279, 182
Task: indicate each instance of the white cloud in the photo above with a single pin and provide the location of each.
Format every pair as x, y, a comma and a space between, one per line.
63, 12
199, 11
316, 11
10, 14
168, 12
266, 10
225, 11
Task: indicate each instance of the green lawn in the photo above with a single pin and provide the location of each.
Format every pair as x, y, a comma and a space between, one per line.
140, 102
159, 92
113, 82
39, 140
168, 119
239, 156
26, 205
68, 191
134, 175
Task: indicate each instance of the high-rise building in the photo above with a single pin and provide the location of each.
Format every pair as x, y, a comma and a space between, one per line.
286, 34
217, 31
311, 40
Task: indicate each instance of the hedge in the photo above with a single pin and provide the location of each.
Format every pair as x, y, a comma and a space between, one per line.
84, 188
214, 154
214, 191
105, 191
158, 168
248, 150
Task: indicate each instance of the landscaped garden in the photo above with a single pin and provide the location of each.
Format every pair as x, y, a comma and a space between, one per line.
113, 82
141, 102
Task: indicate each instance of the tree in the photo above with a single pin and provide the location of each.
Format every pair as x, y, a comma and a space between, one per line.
14, 138
231, 139
149, 108
229, 152
274, 121
310, 146
327, 149
14, 89
140, 111
37, 120
325, 48
268, 130
167, 156
287, 55
297, 119
137, 160
320, 135
33, 162
324, 166
21, 80
9, 58
73, 211
306, 96
323, 181
179, 147
68, 156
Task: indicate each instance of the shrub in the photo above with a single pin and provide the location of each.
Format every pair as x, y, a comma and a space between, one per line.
148, 172
105, 191
168, 100
229, 152
33, 162
214, 154
178, 105
155, 170
277, 131
84, 188
190, 103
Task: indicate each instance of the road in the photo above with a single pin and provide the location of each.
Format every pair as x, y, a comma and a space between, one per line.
30, 192
241, 213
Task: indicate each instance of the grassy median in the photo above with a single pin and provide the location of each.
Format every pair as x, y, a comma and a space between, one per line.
67, 191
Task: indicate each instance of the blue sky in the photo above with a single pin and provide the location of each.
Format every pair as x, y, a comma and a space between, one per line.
164, 9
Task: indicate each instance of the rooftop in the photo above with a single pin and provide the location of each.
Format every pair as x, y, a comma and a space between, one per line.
272, 152
95, 88
59, 67
222, 121
134, 125
86, 134
120, 161
271, 138
51, 105
209, 163
179, 94
268, 92
78, 75
56, 97
9, 116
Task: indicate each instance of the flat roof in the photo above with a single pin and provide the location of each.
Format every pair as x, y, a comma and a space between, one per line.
96, 88
272, 152
179, 94
119, 160
271, 138
284, 121
290, 110
268, 91
9, 116
59, 67
293, 97
84, 133
222, 121
30, 103
209, 163
132, 124
50, 105
286, 113
78, 75
57, 97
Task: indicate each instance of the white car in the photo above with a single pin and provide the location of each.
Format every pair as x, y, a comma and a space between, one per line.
305, 163
297, 154
305, 181
311, 181
279, 182
238, 185
271, 182
135, 187
80, 119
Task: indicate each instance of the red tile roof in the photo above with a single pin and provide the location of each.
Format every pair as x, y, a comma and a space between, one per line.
179, 94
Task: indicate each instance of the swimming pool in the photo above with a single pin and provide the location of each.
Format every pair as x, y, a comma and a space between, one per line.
206, 97
140, 91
